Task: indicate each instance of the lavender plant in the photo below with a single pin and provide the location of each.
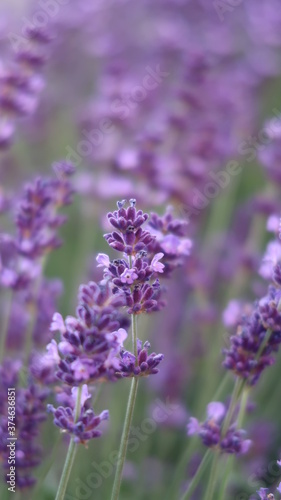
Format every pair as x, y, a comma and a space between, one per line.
30, 304
174, 104
91, 346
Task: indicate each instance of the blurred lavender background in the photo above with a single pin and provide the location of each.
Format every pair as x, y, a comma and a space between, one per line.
175, 103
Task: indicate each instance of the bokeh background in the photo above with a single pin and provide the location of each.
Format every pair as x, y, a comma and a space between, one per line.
215, 86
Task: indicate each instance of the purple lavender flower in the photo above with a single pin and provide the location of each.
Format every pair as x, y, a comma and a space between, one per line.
276, 275
157, 266
37, 223
271, 258
129, 238
21, 83
89, 343
29, 414
232, 314
170, 240
244, 357
36, 218
210, 431
270, 155
140, 294
145, 364
128, 276
85, 428
143, 251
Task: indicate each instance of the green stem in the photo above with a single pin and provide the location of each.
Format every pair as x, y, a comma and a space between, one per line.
97, 394
85, 247
243, 405
238, 387
6, 322
230, 460
125, 439
221, 210
213, 477
196, 478
70, 457
228, 469
179, 472
221, 387
239, 384
45, 472
128, 420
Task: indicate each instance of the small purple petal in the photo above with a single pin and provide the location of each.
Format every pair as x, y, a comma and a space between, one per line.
84, 396
193, 427
102, 260
215, 411
157, 266
57, 323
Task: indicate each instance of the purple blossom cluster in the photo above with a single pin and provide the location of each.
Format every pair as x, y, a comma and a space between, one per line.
36, 222
269, 156
171, 116
23, 255
145, 364
211, 431
170, 150
129, 238
257, 338
136, 274
33, 300
29, 413
85, 428
170, 239
90, 343
21, 82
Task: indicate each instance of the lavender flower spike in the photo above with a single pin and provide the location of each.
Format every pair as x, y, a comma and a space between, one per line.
211, 431
85, 427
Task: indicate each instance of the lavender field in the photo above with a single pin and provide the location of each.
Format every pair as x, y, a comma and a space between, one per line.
140, 250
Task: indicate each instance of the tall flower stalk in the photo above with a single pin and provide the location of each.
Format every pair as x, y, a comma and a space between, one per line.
27, 319
70, 457
257, 338
91, 345
125, 439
